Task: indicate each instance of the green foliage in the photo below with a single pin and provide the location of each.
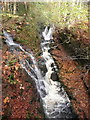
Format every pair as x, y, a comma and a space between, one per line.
11, 62
40, 14
12, 80
59, 13
28, 116
21, 8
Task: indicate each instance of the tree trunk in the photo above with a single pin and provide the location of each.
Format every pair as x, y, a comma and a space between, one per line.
5, 5
8, 7
25, 3
14, 8
3, 9
11, 8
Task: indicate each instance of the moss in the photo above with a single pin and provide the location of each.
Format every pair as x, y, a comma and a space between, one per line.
28, 116
12, 62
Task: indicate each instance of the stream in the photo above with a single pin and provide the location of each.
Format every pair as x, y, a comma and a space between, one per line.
56, 103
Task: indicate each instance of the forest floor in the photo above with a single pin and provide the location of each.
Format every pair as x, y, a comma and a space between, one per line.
20, 98
74, 73
75, 81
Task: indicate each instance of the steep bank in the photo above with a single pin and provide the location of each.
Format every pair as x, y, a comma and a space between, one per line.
73, 75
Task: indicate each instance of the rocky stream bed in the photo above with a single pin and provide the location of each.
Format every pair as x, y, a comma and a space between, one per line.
20, 97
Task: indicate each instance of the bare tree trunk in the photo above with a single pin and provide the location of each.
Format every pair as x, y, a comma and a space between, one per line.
8, 7
25, 3
78, 1
11, 8
14, 8
5, 5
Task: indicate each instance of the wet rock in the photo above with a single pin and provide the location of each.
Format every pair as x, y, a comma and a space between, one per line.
53, 69
42, 83
42, 66
43, 69
52, 65
30, 61
43, 93
68, 113
54, 76
87, 67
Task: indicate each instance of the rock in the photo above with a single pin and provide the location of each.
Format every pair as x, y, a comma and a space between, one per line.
30, 61
52, 65
43, 69
43, 93
42, 66
54, 76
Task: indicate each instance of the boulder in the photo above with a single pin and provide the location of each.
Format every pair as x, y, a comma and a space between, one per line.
54, 76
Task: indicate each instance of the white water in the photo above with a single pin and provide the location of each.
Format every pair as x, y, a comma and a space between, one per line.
55, 101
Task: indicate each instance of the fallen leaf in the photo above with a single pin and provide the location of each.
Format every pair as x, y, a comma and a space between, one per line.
6, 100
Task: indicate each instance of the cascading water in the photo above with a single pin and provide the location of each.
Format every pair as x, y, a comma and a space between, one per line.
55, 101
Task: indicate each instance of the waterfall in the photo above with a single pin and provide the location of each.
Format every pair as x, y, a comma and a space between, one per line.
55, 100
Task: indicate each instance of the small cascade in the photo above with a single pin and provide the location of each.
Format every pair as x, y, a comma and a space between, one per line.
55, 100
